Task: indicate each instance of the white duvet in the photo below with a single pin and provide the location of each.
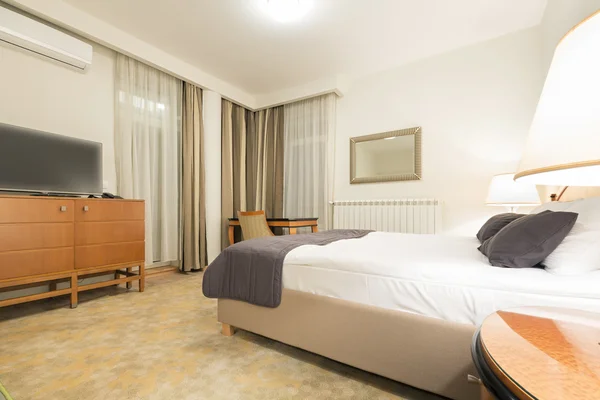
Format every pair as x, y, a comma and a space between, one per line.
433, 275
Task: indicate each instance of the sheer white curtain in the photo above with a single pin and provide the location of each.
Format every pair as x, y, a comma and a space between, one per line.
309, 140
147, 131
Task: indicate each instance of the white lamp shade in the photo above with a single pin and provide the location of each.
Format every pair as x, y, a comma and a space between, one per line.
563, 147
505, 191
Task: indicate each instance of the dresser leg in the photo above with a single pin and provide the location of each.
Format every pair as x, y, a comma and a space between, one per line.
74, 293
227, 330
129, 285
142, 277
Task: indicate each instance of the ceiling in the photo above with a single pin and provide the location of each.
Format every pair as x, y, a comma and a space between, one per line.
234, 41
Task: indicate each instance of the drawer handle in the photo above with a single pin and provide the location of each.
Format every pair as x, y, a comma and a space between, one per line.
86, 208
63, 208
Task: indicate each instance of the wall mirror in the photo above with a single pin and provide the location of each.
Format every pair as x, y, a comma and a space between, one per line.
386, 157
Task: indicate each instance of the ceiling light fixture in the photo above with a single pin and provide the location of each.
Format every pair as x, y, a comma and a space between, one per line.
286, 10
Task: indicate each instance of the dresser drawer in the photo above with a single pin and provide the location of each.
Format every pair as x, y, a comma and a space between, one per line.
15, 237
108, 232
87, 210
16, 264
20, 210
109, 254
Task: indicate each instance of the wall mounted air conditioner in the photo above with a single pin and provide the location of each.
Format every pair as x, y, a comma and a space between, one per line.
31, 35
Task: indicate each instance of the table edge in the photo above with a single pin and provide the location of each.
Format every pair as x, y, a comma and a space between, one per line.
488, 376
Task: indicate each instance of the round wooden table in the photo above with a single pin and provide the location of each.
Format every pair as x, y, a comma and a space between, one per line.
539, 353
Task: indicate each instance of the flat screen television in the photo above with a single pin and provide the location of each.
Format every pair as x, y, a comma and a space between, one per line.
40, 162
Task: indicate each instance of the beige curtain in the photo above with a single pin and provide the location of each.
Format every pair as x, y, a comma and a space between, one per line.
309, 158
147, 151
193, 206
265, 162
252, 162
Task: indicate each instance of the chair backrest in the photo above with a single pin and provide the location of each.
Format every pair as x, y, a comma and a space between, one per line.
254, 224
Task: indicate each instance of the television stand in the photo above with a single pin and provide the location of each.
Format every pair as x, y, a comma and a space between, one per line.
48, 240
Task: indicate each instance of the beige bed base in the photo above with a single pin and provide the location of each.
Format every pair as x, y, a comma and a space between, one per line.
423, 352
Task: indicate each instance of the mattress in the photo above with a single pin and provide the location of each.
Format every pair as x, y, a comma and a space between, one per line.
438, 276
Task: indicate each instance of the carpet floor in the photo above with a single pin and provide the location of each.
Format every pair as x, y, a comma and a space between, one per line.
162, 344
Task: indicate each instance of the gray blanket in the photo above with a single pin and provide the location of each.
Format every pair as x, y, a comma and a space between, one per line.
251, 270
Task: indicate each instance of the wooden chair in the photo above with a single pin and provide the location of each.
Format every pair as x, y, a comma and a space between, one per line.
254, 224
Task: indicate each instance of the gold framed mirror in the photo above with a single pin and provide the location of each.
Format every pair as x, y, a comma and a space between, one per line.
386, 157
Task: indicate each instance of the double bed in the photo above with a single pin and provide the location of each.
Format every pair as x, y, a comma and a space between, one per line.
401, 306
436, 276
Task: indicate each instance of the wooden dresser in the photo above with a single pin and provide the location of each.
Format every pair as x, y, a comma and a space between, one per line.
46, 241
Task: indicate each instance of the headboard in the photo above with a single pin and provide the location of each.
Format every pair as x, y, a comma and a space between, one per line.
570, 193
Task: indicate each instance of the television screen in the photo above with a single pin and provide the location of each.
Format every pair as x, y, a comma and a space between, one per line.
34, 161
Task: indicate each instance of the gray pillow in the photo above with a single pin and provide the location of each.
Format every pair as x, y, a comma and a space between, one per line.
527, 241
495, 224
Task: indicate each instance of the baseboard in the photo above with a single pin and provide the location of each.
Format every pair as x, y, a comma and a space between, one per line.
169, 269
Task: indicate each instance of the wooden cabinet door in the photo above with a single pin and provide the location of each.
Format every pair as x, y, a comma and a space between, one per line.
88, 210
18, 264
36, 236
108, 232
109, 254
19, 237
26, 210
89, 233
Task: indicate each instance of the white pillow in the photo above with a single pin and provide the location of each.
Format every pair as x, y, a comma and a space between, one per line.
579, 252
555, 206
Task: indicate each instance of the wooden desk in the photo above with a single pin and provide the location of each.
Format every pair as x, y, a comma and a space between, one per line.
291, 223
539, 353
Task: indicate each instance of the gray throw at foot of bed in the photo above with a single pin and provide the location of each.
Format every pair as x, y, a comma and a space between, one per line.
251, 270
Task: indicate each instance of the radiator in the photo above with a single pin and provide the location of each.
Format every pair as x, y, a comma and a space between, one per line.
404, 215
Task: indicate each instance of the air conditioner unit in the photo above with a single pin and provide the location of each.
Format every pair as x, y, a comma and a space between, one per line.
31, 35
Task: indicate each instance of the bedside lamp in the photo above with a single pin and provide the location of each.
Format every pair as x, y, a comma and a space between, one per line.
504, 191
563, 146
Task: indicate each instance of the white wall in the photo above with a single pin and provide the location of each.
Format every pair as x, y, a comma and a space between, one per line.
211, 109
69, 17
40, 94
475, 106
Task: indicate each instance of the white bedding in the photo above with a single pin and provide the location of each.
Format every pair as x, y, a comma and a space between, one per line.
433, 275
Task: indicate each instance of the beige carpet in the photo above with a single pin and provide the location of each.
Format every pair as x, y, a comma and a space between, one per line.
162, 344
